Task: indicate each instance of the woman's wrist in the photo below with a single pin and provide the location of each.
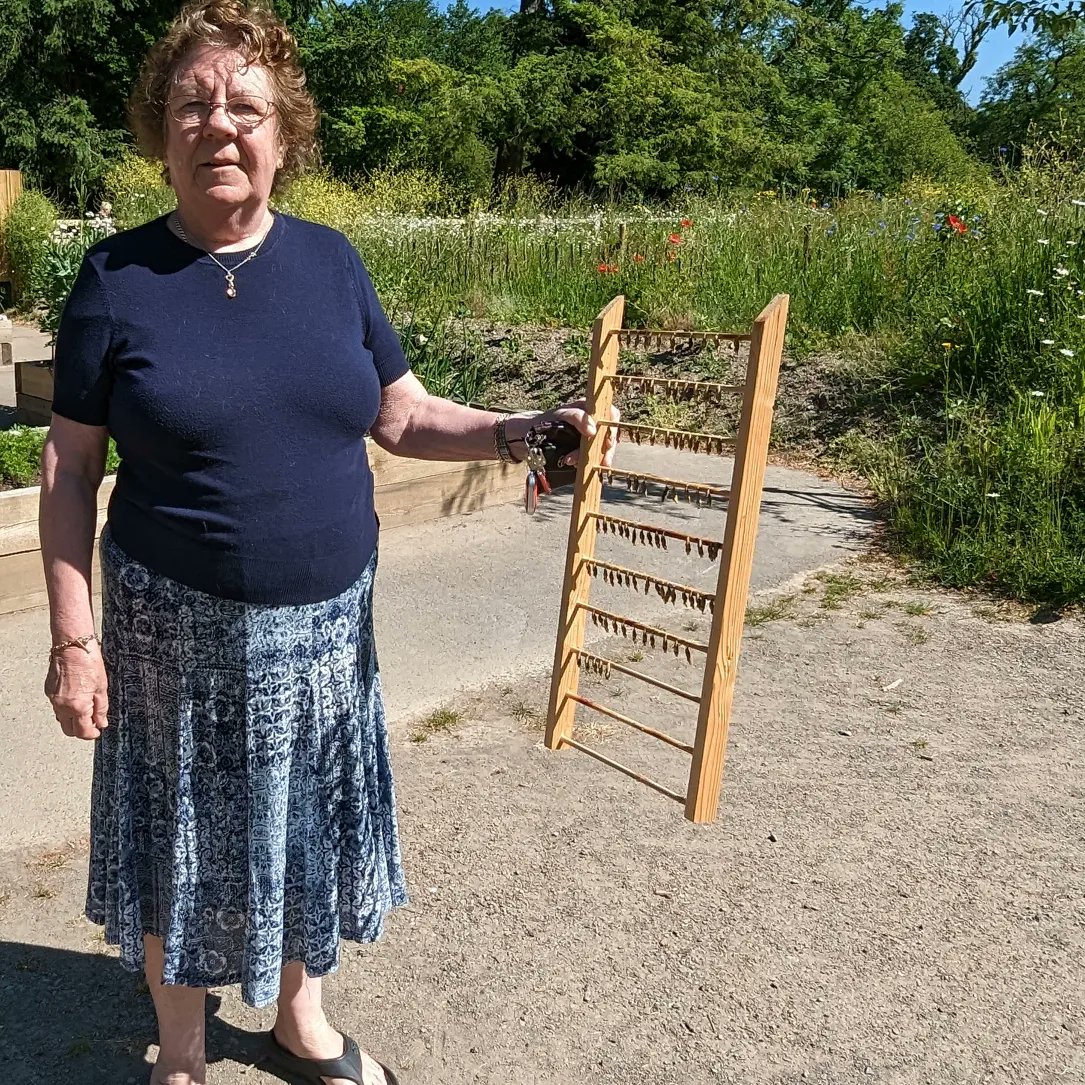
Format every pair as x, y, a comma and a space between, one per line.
516, 427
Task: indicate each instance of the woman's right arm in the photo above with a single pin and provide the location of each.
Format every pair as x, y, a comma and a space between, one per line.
73, 463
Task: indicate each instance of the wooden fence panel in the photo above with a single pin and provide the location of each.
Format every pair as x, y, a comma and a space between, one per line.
11, 188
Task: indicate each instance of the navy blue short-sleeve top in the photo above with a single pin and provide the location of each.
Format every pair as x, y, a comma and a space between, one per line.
240, 422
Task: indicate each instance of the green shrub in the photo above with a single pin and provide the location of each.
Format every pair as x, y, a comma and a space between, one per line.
55, 272
319, 197
27, 230
135, 188
20, 456
994, 496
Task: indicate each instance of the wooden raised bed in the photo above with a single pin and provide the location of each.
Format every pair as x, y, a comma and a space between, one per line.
406, 492
33, 393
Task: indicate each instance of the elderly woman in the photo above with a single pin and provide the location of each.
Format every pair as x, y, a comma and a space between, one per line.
243, 812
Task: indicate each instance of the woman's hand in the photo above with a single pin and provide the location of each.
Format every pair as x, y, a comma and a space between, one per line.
576, 414
77, 689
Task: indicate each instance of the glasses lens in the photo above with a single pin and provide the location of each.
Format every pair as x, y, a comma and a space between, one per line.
190, 110
247, 110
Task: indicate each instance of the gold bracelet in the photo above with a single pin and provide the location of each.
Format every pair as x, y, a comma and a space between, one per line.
79, 642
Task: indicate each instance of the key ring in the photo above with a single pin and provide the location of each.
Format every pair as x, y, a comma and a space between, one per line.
548, 443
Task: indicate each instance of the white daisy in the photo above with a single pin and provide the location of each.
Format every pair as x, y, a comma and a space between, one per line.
1066, 352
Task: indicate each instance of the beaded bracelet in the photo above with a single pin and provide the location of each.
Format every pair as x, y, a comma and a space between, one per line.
78, 642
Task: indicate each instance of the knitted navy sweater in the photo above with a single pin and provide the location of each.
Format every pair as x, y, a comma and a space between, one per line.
239, 421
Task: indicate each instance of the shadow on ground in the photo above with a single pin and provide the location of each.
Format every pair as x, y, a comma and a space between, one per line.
67, 1016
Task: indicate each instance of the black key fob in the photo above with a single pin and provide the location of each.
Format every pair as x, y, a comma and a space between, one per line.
556, 440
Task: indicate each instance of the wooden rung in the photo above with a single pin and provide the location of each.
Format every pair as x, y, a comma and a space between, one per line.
713, 546
626, 335
606, 665
685, 747
719, 493
567, 741
650, 630
684, 440
672, 587
672, 384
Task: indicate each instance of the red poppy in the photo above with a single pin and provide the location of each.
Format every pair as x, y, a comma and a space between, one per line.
637, 258
607, 269
957, 224
602, 269
675, 239
687, 223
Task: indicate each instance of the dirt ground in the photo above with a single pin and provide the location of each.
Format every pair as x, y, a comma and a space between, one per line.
893, 892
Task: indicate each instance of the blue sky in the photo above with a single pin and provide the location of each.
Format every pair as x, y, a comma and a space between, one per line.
997, 48
995, 51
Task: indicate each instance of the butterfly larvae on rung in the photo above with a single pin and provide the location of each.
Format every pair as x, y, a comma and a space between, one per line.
689, 656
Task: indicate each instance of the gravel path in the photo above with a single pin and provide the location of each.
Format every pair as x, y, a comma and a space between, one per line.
893, 892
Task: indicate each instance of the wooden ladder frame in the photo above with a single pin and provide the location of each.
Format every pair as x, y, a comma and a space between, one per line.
709, 748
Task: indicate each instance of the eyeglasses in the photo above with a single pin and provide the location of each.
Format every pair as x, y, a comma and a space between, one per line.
247, 111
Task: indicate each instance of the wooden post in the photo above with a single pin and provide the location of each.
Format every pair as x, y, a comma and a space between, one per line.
11, 188
736, 561
586, 500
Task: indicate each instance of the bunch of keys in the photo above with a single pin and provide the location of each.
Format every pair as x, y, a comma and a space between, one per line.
547, 444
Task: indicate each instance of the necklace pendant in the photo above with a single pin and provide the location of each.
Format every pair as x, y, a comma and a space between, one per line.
231, 290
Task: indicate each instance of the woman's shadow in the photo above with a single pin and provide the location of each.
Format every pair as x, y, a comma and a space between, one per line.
67, 1016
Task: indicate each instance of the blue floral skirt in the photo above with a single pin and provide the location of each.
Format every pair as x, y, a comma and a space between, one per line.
242, 806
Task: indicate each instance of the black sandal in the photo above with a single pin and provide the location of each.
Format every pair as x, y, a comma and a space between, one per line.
298, 1071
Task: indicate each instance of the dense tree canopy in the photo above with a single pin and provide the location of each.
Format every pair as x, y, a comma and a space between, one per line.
624, 97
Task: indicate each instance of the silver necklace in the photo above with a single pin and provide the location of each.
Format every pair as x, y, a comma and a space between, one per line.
231, 287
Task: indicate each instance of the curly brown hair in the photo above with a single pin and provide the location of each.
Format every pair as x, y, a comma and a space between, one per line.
259, 35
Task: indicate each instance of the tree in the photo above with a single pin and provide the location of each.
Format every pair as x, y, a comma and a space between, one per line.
1042, 89
66, 69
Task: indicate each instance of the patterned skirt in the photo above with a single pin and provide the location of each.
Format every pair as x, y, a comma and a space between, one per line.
242, 806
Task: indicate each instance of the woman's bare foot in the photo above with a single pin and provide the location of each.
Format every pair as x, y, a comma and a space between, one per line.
189, 1075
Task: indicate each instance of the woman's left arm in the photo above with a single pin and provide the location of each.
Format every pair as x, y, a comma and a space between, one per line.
413, 423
